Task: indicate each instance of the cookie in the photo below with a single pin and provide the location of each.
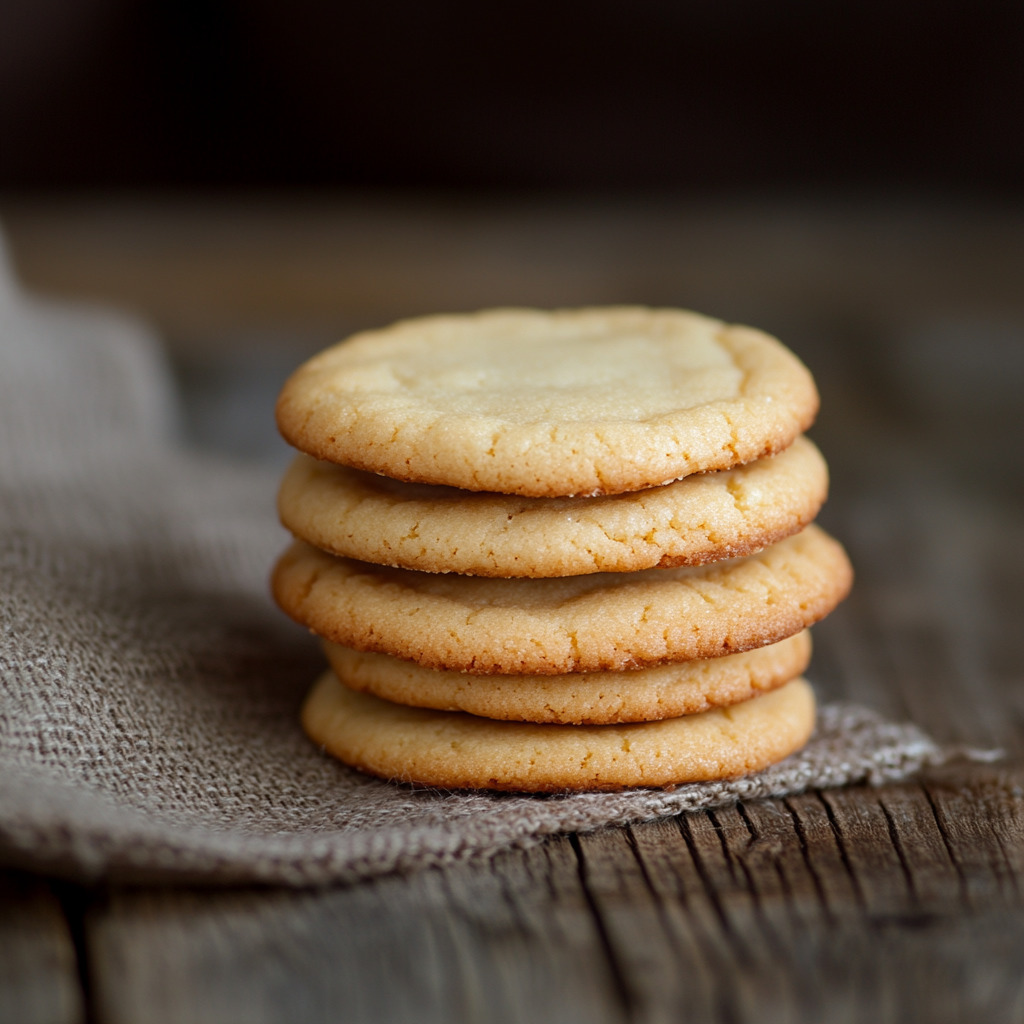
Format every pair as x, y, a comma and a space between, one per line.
604, 621
698, 519
545, 404
588, 698
454, 750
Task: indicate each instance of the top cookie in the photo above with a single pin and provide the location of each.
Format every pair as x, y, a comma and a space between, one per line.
590, 401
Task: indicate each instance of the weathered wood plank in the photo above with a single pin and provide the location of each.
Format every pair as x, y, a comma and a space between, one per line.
831, 907
501, 942
38, 969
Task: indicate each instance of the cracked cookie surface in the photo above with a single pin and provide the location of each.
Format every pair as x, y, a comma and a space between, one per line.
456, 750
603, 621
544, 404
699, 519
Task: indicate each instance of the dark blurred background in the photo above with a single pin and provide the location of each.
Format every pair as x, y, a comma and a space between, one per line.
662, 94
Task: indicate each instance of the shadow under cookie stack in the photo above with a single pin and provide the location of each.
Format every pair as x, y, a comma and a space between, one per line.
557, 551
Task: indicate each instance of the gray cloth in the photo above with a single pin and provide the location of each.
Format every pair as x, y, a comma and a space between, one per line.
149, 689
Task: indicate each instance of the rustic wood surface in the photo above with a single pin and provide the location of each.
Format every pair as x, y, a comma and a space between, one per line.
895, 904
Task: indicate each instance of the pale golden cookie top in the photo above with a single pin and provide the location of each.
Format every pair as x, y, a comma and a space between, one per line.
589, 401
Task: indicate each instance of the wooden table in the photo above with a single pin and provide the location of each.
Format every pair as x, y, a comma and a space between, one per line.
893, 904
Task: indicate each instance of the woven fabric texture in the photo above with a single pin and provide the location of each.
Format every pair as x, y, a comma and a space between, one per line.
149, 690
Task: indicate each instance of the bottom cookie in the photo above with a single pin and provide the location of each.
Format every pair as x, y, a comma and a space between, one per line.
453, 750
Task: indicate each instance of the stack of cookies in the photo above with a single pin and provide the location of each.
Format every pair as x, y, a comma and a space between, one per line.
557, 551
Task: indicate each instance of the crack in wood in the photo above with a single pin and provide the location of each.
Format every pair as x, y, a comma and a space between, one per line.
897, 845
714, 898
620, 983
844, 855
719, 831
805, 853
751, 882
651, 888
776, 859
947, 842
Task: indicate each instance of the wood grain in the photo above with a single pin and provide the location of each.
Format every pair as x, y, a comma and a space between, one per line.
501, 942
855, 904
